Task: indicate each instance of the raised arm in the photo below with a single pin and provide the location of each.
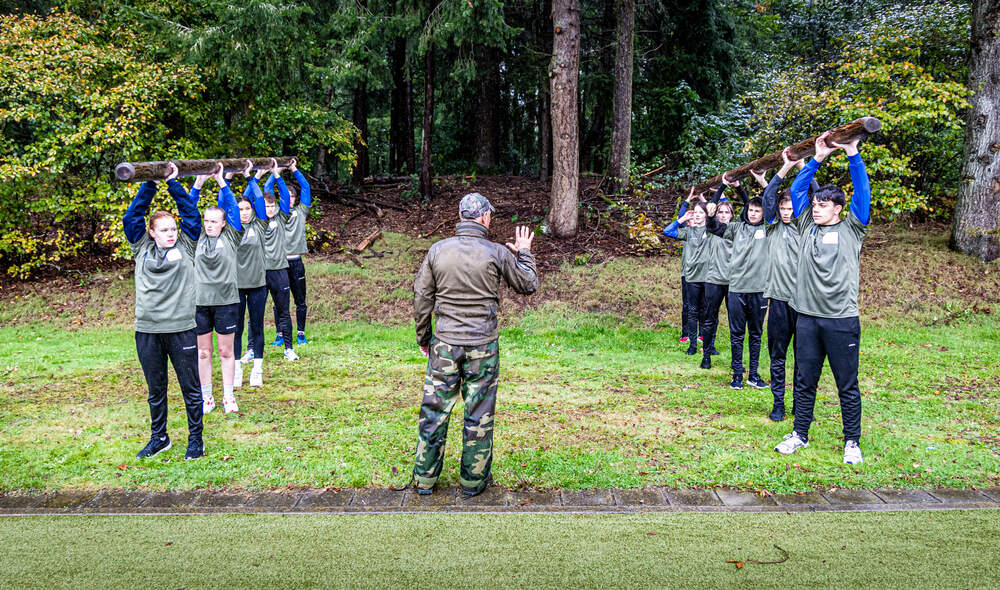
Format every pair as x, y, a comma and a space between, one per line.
188, 209
134, 220
770, 198
518, 266
861, 200
305, 191
227, 201
284, 198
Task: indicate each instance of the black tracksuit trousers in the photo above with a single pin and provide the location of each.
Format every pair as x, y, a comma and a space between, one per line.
182, 350
277, 286
684, 308
297, 285
746, 314
255, 300
836, 340
693, 295
714, 295
780, 330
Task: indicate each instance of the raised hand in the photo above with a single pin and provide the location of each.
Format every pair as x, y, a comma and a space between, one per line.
173, 171
522, 239
219, 176
759, 176
248, 169
850, 148
686, 217
293, 165
710, 209
823, 149
199, 181
727, 182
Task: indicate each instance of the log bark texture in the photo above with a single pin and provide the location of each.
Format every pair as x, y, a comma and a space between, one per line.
563, 82
976, 223
862, 127
143, 171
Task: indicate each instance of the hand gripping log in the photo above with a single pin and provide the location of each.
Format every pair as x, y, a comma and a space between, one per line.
143, 171
862, 127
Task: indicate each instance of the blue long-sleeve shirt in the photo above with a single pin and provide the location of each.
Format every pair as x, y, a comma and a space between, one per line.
861, 201
284, 197
134, 219
256, 198
227, 202
305, 191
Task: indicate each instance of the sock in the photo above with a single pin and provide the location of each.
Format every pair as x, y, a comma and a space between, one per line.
258, 365
206, 390
301, 333
227, 391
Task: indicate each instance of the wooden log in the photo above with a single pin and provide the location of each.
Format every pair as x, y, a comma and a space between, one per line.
862, 127
369, 239
143, 171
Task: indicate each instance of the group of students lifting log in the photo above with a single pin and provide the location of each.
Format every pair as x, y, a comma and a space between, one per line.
793, 254
199, 280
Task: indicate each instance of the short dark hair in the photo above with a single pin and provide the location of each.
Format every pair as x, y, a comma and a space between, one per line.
829, 192
755, 202
269, 198
700, 205
786, 195
243, 198
293, 191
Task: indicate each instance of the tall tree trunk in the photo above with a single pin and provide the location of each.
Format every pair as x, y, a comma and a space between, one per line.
487, 111
426, 188
410, 149
397, 109
600, 98
360, 120
621, 133
544, 135
563, 78
319, 166
977, 212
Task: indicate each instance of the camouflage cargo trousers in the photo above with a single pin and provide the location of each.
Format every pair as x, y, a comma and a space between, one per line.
474, 369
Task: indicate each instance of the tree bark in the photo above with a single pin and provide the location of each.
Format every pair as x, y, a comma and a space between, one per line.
397, 109
976, 223
426, 188
409, 141
487, 111
592, 142
143, 171
360, 120
563, 81
544, 135
621, 133
807, 147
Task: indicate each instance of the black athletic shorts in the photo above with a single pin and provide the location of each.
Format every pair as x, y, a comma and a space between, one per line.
221, 319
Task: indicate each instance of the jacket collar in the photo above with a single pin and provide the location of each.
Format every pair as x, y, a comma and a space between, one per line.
470, 228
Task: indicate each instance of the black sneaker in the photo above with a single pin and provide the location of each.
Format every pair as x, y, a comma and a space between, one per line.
154, 447
706, 362
777, 412
756, 381
470, 492
423, 491
691, 350
737, 381
195, 450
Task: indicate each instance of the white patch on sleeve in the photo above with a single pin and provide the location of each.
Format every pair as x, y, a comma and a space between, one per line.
173, 255
831, 238
759, 234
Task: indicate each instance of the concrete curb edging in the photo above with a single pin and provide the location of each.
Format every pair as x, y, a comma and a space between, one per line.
494, 500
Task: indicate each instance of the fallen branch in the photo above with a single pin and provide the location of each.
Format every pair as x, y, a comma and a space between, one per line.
369, 240
433, 231
739, 564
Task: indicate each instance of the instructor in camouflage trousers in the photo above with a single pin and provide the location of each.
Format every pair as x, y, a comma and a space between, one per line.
459, 282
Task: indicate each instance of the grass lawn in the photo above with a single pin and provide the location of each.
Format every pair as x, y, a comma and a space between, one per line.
595, 390
875, 550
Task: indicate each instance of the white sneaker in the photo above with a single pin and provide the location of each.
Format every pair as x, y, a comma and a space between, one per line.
791, 444
229, 405
238, 374
247, 356
207, 404
290, 355
852, 453
256, 378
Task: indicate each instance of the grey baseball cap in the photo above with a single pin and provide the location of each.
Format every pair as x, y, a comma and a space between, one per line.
474, 205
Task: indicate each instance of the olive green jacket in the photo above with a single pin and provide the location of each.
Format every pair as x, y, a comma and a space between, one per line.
459, 283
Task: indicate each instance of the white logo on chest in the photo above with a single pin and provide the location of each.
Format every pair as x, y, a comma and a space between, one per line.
173, 255
831, 238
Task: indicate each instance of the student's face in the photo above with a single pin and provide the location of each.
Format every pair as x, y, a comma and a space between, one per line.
826, 212
246, 212
755, 214
785, 210
724, 215
164, 232
272, 209
698, 217
293, 197
214, 222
